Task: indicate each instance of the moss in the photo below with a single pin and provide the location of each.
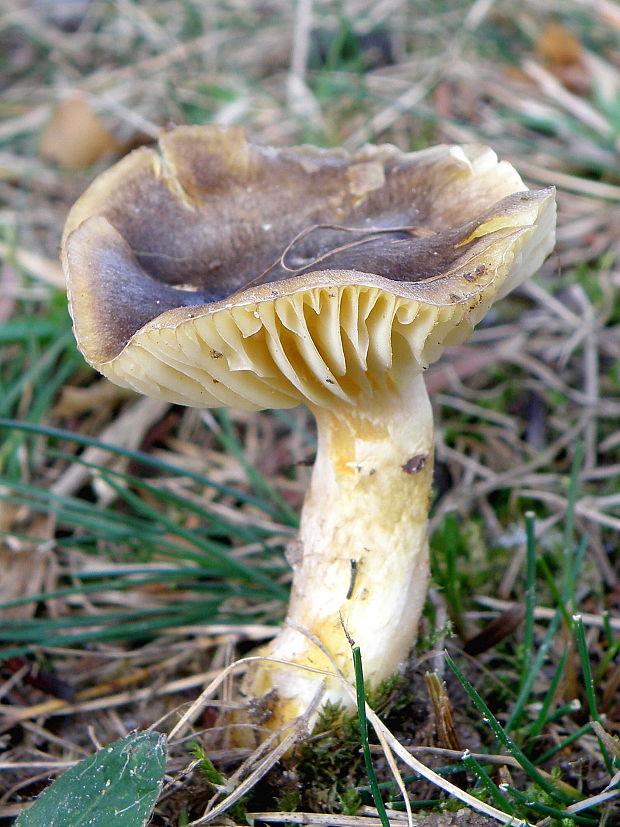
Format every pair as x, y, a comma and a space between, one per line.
289, 802
350, 801
330, 762
215, 779
324, 773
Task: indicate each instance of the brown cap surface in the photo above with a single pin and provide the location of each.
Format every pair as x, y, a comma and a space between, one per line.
215, 272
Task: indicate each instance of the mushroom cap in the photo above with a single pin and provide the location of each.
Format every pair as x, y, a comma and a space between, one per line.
216, 272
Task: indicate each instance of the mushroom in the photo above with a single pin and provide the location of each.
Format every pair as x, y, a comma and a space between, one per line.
220, 273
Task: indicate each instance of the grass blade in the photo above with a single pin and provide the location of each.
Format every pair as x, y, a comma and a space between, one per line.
363, 722
575, 736
543, 716
543, 651
485, 780
488, 717
569, 525
588, 680
139, 457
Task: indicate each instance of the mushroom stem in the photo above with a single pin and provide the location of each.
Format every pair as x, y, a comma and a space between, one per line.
361, 561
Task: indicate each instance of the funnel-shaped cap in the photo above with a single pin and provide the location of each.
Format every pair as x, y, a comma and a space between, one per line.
215, 272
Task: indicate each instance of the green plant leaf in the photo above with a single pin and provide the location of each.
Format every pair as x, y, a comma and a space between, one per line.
116, 787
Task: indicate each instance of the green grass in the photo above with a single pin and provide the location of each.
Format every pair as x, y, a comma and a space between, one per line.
148, 525
363, 725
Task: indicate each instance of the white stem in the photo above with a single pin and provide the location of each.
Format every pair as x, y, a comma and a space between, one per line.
361, 562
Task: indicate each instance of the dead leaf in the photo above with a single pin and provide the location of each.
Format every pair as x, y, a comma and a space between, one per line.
558, 46
76, 136
562, 54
